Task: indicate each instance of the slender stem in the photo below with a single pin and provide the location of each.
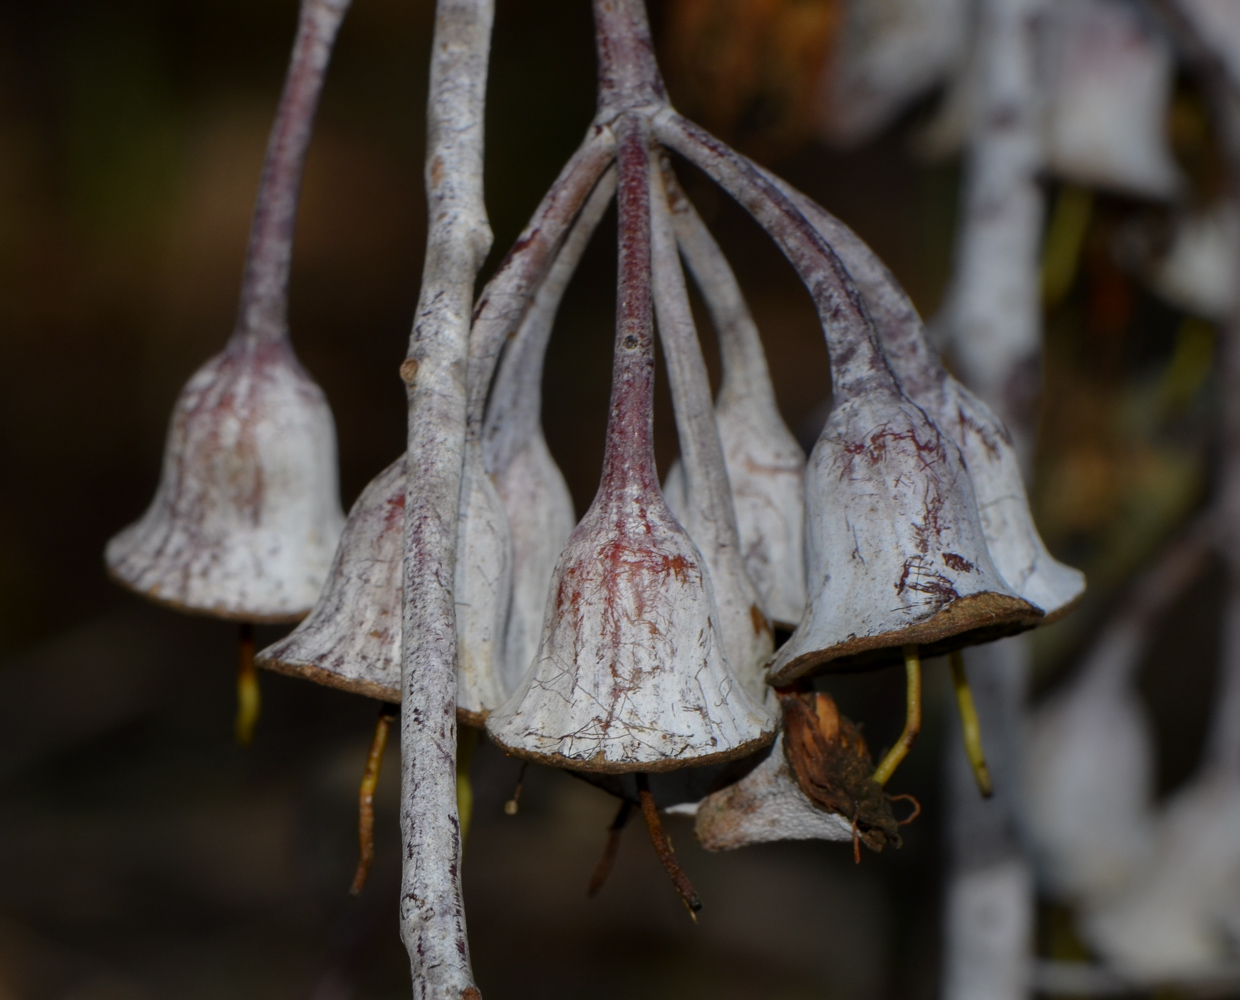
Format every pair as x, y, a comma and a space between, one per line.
513, 805
610, 850
745, 372
628, 74
263, 314
970, 728
858, 367
432, 912
366, 796
249, 697
703, 461
912, 718
514, 409
508, 296
663, 848
628, 460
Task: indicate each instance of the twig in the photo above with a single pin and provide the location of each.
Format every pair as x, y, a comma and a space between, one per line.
603, 869
249, 698
262, 315
366, 797
663, 848
970, 728
432, 912
912, 718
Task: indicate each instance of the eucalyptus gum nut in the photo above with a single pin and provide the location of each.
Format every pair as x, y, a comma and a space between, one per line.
1019, 554
895, 549
707, 514
541, 518
351, 638
888, 54
764, 806
765, 465
1171, 920
631, 674
247, 512
1110, 92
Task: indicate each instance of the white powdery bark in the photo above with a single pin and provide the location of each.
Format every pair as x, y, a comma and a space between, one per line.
765, 465
993, 319
707, 513
993, 311
432, 913
247, 512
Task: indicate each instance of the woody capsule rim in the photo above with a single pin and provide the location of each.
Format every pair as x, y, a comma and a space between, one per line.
967, 621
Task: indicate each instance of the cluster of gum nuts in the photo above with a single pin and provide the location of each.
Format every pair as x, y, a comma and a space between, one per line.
635, 647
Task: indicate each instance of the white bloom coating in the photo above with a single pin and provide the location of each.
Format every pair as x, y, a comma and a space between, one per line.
707, 514
247, 513
631, 673
1012, 538
540, 508
765, 464
766, 805
1110, 90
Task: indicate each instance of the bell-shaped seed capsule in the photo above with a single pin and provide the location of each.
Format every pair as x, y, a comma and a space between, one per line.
1012, 538
631, 673
247, 512
539, 506
707, 514
895, 550
765, 465
351, 638
1110, 92
483, 591
815, 785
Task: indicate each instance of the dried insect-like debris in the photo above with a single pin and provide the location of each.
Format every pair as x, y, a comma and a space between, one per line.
631, 673
765, 465
536, 498
247, 512
817, 784
707, 513
993, 466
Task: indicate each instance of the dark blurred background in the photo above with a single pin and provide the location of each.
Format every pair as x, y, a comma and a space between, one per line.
142, 854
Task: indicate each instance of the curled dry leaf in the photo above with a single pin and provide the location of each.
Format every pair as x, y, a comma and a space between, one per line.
815, 785
631, 673
765, 465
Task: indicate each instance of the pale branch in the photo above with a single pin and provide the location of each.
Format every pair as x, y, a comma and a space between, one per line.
432, 913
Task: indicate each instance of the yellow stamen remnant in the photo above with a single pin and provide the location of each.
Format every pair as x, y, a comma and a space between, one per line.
366, 797
248, 699
466, 740
912, 718
969, 726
